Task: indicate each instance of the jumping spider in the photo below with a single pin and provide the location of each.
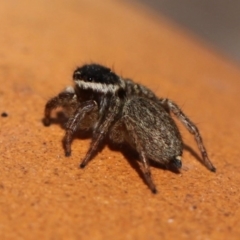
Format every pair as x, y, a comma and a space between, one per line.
124, 111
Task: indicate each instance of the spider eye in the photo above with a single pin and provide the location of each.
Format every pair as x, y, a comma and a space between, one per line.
76, 75
90, 79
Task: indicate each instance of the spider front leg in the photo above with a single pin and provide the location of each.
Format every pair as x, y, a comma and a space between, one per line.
74, 121
173, 107
101, 131
65, 99
145, 166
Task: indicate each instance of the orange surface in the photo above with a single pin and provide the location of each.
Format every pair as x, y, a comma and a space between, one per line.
44, 195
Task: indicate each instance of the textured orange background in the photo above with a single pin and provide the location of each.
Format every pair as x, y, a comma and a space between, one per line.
44, 195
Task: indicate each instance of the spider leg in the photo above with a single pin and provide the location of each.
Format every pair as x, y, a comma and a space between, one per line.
74, 121
129, 123
173, 107
63, 99
101, 131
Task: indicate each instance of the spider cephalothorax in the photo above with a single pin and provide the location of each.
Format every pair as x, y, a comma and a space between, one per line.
97, 78
124, 111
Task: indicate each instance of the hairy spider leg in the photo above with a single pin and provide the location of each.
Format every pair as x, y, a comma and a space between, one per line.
101, 131
63, 99
74, 121
145, 166
174, 108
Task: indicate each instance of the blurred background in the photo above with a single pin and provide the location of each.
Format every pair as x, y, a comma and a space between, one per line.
215, 21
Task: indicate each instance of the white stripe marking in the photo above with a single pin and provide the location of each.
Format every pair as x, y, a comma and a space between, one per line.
99, 87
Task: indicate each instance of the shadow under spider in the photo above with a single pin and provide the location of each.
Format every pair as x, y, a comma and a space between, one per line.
133, 158
128, 152
193, 153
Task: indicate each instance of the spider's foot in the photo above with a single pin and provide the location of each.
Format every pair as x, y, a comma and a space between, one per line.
151, 185
82, 165
208, 164
46, 122
213, 169
154, 191
67, 153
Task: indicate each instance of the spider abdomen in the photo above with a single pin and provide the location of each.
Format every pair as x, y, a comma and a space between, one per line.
154, 129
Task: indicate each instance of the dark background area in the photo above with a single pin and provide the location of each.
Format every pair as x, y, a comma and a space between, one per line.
215, 21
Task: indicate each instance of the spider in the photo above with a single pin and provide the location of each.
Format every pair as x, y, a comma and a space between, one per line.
126, 112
